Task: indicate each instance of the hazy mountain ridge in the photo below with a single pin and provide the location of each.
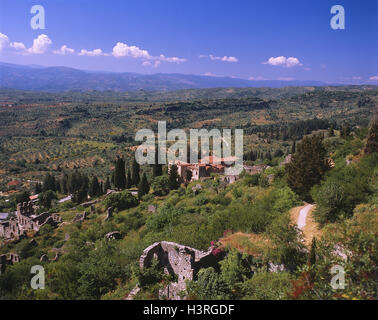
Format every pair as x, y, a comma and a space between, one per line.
38, 78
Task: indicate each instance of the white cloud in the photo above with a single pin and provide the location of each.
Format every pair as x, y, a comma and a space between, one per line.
150, 64
283, 61
374, 78
123, 50
40, 44
18, 46
3, 41
224, 58
93, 53
162, 57
210, 74
64, 50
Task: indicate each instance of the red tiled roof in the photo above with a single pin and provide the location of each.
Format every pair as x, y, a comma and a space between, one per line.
14, 183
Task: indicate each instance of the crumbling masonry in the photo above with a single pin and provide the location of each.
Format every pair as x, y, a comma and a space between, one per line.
179, 260
26, 220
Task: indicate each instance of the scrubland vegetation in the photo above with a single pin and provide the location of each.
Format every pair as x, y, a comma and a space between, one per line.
84, 147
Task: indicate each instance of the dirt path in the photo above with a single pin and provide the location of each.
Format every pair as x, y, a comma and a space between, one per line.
302, 216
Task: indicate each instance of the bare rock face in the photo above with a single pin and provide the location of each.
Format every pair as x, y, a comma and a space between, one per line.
176, 259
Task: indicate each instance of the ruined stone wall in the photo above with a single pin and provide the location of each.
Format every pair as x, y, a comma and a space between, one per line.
179, 260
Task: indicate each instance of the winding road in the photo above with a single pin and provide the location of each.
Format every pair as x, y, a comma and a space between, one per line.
303, 215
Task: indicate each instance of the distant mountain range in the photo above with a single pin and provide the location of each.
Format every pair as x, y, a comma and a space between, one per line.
39, 78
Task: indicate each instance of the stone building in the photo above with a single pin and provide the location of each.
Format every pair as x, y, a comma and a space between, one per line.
26, 220
8, 259
203, 169
179, 260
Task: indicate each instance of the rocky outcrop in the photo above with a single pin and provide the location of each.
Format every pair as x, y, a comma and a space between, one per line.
179, 260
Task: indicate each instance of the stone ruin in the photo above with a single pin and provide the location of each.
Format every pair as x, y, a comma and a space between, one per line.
109, 213
80, 217
179, 260
8, 259
26, 220
114, 235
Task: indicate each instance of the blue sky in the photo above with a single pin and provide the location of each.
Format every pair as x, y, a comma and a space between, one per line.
239, 38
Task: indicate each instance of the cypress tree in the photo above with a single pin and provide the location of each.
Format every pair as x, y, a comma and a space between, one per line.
119, 174
129, 181
173, 177
293, 147
135, 173
95, 188
372, 139
157, 169
143, 187
107, 185
307, 167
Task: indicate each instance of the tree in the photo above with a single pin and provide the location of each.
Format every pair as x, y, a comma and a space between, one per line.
308, 165
173, 177
129, 180
135, 173
160, 185
293, 147
331, 131
189, 175
45, 198
94, 188
107, 185
143, 187
22, 196
119, 174
121, 201
157, 169
49, 183
38, 188
372, 139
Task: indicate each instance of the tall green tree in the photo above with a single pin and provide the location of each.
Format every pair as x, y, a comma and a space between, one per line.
143, 187
372, 139
94, 187
173, 178
135, 173
308, 165
129, 180
107, 184
157, 169
119, 174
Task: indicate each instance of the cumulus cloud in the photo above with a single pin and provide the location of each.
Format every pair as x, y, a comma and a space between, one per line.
123, 50
283, 61
40, 44
91, 53
64, 50
3, 41
18, 46
224, 58
374, 78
